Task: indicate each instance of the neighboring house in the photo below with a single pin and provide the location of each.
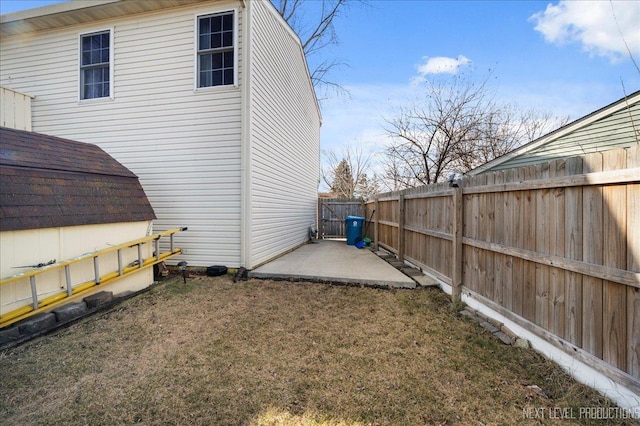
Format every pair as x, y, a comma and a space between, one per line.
60, 199
209, 102
614, 126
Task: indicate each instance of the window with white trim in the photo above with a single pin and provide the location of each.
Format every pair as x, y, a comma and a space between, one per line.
216, 50
95, 61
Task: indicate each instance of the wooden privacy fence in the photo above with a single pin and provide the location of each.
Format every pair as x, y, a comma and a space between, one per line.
332, 213
554, 247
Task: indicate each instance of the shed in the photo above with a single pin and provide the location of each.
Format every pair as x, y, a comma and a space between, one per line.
61, 199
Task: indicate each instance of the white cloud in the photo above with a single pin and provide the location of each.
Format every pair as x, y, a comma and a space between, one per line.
601, 27
441, 65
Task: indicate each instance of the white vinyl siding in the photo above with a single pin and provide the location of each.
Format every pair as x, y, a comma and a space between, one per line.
285, 125
184, 145
184, 142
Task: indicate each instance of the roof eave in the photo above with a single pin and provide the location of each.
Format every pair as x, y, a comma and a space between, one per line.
79, 12
42, 11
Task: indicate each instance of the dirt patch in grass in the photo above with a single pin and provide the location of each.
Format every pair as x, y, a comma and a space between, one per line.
279, 353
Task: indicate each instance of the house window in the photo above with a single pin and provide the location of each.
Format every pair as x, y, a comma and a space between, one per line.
95, 76
215, 50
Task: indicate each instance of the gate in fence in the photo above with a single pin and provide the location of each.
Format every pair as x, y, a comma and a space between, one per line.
332, 213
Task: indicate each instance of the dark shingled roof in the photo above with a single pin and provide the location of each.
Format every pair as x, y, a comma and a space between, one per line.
46, 181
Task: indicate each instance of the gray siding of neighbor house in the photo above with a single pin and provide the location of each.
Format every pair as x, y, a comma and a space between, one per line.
618, 130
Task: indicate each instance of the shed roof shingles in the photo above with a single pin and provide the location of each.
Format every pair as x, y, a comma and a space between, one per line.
47, 181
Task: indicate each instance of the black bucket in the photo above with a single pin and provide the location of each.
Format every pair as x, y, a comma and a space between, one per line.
216, 270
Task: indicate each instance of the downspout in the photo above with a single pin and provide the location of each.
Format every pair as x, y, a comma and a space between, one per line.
245, 176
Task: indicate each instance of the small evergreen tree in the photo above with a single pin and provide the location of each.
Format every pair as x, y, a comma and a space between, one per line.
343, 184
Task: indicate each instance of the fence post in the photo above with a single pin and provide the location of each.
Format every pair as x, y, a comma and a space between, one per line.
376, 228
401, 228
319, 220
456, 265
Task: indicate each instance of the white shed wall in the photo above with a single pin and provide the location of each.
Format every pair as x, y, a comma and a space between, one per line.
15, 109
184, 144
285, 139
33, 246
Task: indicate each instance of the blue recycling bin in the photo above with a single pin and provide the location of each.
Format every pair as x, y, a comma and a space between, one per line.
354, 229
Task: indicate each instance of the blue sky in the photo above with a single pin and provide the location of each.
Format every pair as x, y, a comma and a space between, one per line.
572, 65
563, 57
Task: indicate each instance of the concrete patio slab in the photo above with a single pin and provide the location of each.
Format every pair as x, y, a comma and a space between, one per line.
336, 262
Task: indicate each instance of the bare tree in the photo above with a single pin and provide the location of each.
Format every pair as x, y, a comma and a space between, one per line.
456, 126
316, 33
349, 173
428, 137
503, 129
395, 176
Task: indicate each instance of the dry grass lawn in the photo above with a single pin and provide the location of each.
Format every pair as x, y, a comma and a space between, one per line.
214, 352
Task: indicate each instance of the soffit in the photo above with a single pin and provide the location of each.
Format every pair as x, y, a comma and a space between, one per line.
79, 12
